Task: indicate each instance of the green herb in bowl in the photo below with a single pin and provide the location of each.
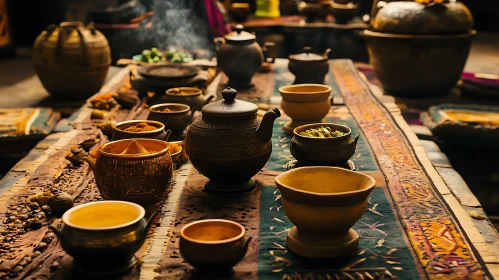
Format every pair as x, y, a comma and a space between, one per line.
322, 132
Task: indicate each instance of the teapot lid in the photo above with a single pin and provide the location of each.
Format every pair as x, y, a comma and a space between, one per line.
239, 36
230, 107
308, 56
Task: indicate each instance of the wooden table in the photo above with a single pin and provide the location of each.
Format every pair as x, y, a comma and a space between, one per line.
45, 167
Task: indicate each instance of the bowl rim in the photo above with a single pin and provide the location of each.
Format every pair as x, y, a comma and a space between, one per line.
176, 153
198, 91
468, 33
239, 236
159, 125
65, 216
187, 108
132, 156
326, 89
367, 189
295, 133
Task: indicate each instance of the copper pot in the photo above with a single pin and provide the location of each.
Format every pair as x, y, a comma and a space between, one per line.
139, 178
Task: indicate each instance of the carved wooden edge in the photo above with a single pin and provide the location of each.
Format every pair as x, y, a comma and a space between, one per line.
482, 234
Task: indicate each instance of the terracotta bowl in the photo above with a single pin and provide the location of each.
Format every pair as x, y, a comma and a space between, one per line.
175, 149
139, 178
120, 133
214, 246
304, 104
323, 203
103, 236
323, 151
176, 120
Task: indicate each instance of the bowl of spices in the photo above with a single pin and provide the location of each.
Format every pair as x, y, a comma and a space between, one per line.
323, 144
175, 116
140, 129
137, 170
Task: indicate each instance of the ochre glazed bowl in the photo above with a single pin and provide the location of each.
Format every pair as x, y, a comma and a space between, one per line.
304, 104
323, 203
103, 236
120, 133
214, 246
334, 151
140, 178
176, 119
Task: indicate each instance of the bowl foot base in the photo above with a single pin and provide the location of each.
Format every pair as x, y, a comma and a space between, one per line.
212, 274
213, 187
330, 247
289, 126
292, 164
105, 268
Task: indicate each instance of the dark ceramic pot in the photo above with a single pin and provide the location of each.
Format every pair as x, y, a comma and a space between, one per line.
104, 250
309, 68
188, 95
176, 120
239, 56
418, 65
142, 179
419, 49
120, 133
229, 144
240, 12
323, 151
343, 13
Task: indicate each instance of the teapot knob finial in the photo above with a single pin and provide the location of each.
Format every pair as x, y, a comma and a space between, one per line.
239, 28
229, 94
307, 49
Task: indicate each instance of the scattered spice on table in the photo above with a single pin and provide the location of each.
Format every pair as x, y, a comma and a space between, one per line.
141, 127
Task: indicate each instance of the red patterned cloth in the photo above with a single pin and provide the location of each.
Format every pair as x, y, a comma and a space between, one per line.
219, 24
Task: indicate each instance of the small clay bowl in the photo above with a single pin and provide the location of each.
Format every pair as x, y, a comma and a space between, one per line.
334, 151
98, 241
159, 133
323, 203
214, 246
175, 149
177, 119
304, 104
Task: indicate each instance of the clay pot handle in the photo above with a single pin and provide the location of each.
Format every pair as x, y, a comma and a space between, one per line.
167, 134
266, 47
246, 244
326, 53
151, 220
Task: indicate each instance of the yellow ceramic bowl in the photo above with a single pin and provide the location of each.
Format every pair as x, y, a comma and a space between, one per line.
175, 149
323, 203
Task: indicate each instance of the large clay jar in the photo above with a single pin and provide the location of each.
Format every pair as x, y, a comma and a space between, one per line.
309, 68
139, 178
239, 56
419, 49
71, 60
229, 144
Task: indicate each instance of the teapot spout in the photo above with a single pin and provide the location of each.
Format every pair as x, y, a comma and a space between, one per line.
264, 131
354, 142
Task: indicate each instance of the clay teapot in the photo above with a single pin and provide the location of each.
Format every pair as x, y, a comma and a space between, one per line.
229, 144
71, 60
239, 56
309, 68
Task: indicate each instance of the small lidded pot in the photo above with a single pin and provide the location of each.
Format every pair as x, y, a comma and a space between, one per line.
239, 56
175, 116
213, 246
103, 236
309, 68
136, 170
140, 129
229, 144
188, 95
